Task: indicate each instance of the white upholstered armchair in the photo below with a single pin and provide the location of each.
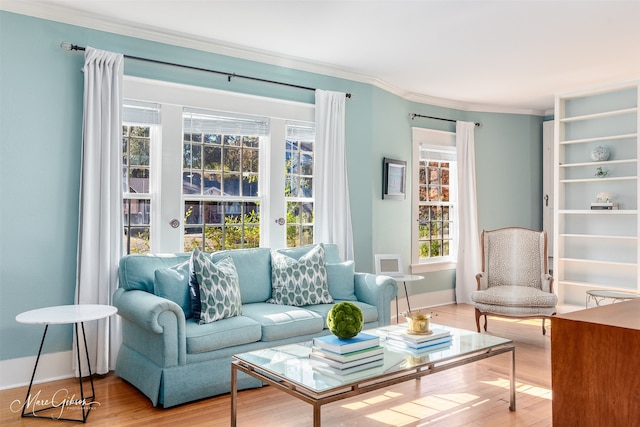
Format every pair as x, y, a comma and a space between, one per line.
515, 280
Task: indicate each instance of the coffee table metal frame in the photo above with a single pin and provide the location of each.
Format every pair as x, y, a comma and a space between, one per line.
363, 385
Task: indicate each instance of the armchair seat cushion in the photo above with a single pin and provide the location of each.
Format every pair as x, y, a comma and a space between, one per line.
515, 296
513, 311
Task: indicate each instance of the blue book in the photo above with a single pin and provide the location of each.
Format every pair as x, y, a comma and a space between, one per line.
340, 346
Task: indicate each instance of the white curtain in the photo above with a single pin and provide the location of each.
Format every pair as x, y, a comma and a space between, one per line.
332, 209
468, 264
100, 240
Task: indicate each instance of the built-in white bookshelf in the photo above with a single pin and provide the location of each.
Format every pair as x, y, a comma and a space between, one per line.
596, 249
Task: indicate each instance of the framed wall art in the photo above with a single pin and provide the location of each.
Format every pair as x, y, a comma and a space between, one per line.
389, 264
394, 179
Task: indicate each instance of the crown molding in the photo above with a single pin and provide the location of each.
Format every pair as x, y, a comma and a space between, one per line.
54, 12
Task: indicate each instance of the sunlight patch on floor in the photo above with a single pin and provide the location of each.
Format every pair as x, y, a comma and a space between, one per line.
529, 389
372, 401
392, 418
415, 410
426, 409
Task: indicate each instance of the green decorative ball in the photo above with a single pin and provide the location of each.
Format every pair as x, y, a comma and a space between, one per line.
345, 320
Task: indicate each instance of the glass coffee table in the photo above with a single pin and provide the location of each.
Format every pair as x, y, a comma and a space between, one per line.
290, 369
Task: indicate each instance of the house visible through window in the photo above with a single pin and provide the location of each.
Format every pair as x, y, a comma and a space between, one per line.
435, 199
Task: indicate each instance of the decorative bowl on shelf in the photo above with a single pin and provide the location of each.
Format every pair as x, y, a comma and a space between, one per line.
600, 154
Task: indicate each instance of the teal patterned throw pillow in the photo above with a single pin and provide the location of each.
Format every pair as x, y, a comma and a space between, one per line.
299, 282
219, 288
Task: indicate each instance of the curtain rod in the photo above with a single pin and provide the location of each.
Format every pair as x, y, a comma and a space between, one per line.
69, 46
414, 115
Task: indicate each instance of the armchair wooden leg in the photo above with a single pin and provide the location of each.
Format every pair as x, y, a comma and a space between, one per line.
544, 331
478, 315
485, 323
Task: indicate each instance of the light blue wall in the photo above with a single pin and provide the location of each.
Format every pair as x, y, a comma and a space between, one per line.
40, 140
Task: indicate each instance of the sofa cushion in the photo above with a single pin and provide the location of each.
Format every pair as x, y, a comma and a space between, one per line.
173, 284
283, 321
331, 252
136, 271
369, 312
221, 334
254, 272
297, 252
340, 280
219, 290
299, 282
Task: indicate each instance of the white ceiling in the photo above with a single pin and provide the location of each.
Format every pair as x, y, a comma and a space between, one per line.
508, 55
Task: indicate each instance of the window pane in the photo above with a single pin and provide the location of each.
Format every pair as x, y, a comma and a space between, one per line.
136, 221
226, 225
136, 175
212, 157
229, 163
298, 190
231, 159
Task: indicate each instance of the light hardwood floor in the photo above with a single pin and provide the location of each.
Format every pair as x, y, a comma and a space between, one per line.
471, 395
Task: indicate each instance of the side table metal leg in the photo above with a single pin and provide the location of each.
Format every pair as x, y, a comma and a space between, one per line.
406, 294
26, 399
86, 405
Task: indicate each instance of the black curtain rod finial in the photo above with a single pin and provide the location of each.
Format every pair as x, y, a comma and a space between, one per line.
68, 46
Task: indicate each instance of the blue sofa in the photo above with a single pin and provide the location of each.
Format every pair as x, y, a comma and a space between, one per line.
172, 359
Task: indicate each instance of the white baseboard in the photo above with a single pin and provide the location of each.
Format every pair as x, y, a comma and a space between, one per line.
51, 367
422, 301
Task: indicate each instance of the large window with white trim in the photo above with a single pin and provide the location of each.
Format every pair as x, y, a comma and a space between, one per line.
435, 200
215, 170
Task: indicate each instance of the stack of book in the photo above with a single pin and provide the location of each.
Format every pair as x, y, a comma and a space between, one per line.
346, 356
414, 343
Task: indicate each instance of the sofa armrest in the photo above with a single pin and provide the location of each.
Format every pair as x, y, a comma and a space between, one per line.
377, 291
153, 326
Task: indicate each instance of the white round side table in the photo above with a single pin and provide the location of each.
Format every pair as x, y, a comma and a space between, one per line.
404, 279
58, 315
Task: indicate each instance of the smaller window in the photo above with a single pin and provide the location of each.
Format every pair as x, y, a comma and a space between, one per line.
435, 199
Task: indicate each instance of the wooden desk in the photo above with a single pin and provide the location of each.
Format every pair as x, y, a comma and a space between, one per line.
595, 358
